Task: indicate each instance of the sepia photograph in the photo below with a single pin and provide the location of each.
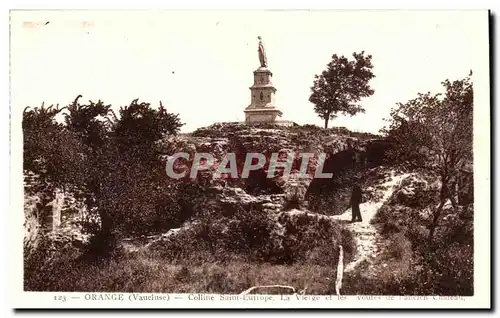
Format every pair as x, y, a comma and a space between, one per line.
238, 158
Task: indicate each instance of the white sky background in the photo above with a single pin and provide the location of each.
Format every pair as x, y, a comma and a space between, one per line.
200, 63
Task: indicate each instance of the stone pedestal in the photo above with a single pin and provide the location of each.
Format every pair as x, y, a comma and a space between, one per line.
261, 108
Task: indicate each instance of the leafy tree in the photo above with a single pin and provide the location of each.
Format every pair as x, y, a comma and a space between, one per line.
93, 124
111, 159
142, 173
112, 162
141, 126
433, 133
50, 150
341, 86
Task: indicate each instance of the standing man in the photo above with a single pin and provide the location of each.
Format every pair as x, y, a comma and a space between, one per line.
356, 198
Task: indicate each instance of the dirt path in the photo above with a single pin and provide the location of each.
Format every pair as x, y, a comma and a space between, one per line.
366, 235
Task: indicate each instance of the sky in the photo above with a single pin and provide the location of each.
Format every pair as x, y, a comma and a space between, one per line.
200, 63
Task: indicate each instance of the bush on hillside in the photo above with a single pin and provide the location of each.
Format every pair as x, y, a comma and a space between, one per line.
443, 267
253, 235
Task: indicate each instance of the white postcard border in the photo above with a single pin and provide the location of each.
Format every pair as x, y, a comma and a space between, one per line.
482, 218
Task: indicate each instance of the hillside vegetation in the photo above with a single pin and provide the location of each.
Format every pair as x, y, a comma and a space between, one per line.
125, 225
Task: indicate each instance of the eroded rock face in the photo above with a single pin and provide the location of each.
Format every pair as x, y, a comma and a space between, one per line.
270, 195
232, 199
342, 149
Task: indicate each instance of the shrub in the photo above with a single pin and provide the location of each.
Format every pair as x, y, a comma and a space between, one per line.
294, 198
216, 235
308, 127
399, 246
443, 267
252, 235
45, 266
312, 240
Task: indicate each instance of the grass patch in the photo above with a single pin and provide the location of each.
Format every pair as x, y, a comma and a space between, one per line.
142, 273
215, 255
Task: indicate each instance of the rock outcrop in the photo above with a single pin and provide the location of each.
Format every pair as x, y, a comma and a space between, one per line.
343, 150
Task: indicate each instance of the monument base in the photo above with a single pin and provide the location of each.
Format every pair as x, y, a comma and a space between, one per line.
261, 115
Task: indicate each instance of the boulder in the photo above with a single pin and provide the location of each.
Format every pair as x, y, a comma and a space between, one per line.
416, 191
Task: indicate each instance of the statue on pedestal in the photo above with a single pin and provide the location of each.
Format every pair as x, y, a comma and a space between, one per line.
262, 53
262, 108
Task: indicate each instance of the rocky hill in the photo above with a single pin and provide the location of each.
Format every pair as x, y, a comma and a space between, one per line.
255, 219
345, 152
225, 235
